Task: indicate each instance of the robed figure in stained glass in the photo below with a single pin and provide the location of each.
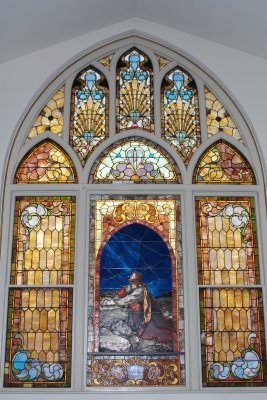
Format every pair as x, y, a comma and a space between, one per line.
145, 317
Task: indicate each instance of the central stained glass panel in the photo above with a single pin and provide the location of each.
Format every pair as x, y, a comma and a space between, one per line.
135, 329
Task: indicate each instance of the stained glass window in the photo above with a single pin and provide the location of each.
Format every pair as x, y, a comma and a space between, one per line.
222, 163
232, 329
136, 161
135, 328
38, 351
180, 116
135, 92
43, 241
46, 163
89, 112
218, 118
50, 118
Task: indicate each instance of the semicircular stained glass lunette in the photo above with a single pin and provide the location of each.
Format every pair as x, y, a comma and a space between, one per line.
46, 163
136, 161
222, 163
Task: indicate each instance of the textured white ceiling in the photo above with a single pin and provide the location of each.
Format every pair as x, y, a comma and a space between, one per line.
29, 25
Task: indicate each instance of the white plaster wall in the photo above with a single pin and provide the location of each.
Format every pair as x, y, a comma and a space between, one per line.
244, 75
241, 73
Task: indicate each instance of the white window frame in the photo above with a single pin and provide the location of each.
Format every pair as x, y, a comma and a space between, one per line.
83, 191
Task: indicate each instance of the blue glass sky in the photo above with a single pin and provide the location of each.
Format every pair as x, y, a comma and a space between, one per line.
136, 248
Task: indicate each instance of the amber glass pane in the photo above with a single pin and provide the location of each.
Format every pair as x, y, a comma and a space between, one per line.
89, 112
218, 118
38, 351
46, 163
222, 163
135, 161
43, 243
232, 334
162, 61
179, 110
227, 241
50, 118
106, 61
134, 92
136, 312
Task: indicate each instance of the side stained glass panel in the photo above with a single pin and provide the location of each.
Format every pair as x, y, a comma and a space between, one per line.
46, 163
136, 314
222, 163
227, 241
232, 321
180, 115
89, 112
43, 241
38, 352
50, 118
233, 337
135, 161
135, 92
218, 118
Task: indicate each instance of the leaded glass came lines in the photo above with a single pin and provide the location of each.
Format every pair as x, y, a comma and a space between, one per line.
226, 240
222, 163
50, 118
46, 163
218, 118
89, 112
135, 92
180, 116
38, 351
136, 161
43, 244
233, 343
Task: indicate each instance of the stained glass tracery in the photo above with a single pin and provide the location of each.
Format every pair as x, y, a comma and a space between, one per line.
135, 92
222, 163
50, 118
46, 163
89, 112
136, 161
218, 118
180, 116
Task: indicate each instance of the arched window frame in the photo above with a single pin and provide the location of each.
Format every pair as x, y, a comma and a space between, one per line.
83, 191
